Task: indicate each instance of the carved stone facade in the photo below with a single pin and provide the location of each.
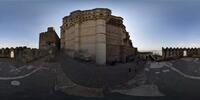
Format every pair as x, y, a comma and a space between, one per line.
97, 34
49, 39
170, 53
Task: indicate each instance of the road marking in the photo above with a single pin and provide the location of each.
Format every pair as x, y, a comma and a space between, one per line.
146, 69
22, 76
15, 83
157, 72
169, 65
183, 74
166, 70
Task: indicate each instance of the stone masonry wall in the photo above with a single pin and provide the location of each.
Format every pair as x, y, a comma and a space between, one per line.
49, 39
23, 54
172, 53
95, 34
118, 48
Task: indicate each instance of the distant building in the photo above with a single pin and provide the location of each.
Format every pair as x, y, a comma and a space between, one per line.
97, 34
49, 39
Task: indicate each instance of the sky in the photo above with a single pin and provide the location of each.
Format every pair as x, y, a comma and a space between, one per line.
152, 24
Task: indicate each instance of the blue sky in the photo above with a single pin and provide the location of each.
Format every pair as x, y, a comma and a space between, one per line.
152, 24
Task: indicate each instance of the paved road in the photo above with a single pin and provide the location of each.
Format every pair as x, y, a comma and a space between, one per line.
176, 77
41, 84
92, 75
25, 80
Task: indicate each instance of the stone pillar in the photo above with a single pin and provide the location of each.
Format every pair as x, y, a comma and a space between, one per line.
101, 41
62, 38
77, 37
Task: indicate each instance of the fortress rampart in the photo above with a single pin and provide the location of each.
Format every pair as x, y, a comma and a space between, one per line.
22, 54
96, 34
171, 53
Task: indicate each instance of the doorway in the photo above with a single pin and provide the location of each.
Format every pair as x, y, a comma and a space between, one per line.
12, 55
184, 53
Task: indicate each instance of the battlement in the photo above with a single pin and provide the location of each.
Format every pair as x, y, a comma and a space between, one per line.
171, 53
92, 11
22, 54
79, 16
50, 29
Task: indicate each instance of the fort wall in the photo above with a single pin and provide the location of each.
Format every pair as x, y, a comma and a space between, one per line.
22, 54
172, 53
96, 34
49, 39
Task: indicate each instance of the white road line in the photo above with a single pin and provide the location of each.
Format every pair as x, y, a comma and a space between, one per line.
22, 76
169, 65
183, 74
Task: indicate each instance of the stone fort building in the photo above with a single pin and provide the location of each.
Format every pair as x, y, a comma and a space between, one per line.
49, 39
96, 34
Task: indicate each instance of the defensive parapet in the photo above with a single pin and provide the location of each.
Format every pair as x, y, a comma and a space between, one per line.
172, 53
22, 54
79, 16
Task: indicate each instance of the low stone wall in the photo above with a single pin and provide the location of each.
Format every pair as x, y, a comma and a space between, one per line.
127, 53
23, 54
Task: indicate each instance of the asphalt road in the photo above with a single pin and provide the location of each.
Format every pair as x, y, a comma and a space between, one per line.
172, 83
92, 75
41, 84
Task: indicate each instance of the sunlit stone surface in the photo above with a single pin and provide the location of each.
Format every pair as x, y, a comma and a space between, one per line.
96, 34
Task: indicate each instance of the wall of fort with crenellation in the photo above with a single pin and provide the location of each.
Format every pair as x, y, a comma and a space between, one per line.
22, 54
172, 53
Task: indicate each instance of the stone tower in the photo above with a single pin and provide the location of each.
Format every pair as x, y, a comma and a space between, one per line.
49, 39
98, 34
